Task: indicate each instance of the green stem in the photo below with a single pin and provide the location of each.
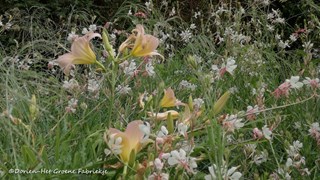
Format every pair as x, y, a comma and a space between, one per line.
112, 89
124, 173
122, 59
101, 66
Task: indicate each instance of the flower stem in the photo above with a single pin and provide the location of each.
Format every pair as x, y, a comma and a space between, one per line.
101, 66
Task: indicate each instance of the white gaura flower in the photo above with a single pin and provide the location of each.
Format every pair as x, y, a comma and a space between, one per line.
212, 175
251, 112
182, 129
297, 145
158, 176
260, 158
198, 102
163, 132
114, 143
232, 123
266, 132
226, 174
130, 69
289, 162
232, 174
180, 158
93, 85
150, 69
158, 164
71, 85
123, 90
145, 129
294, 82
314, 83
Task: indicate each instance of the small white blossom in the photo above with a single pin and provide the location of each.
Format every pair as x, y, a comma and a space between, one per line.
198, 103
307, 46
294, 82
232, 122
158, 164
284, 44
289, 162
123, 89
150, 69
180, 158
279, 20
163, 132
314, 83
231, 65
182, 129
260, 158
72, 105
270, 27
129, 12
185, 84
196, 14
160, 176
212, 175
84, 31
266, 2
129, 70
314, 127
93, 85
186, 35
149, 5
173, 12
297, 145
145, 129
266, 132
115, 144
293, 37
193, 26
92, 27
71, 85
72, 36
226, 174
232, 174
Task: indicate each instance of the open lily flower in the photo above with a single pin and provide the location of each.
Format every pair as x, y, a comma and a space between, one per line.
81, 53
169, 99
130, 139
164, 115
144, 44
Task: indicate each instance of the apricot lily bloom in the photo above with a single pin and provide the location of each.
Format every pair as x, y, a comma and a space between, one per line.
81, 53
144, 44
164, 115
169, 99
131, 139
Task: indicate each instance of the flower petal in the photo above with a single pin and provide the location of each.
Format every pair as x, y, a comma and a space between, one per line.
164, 115
169, 99
65, 62
145, 45
134, 134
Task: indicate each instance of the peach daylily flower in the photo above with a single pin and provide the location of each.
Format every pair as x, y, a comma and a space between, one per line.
164, 115
169, 99
81, 53
144, 44
131, 139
